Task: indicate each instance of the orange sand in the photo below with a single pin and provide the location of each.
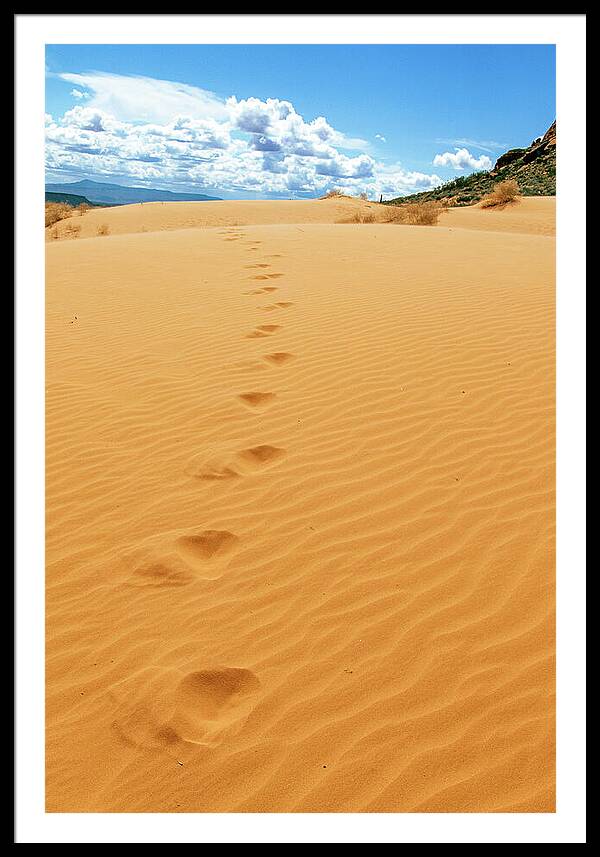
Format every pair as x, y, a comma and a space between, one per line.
300, 511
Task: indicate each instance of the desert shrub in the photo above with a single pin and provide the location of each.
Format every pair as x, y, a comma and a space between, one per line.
332, 193
415, 213
82, 208
359, 217
364, 196
103, 229
504, 193
55, 211
72, 230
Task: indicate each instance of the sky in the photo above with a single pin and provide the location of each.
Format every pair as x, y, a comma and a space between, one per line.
291, 121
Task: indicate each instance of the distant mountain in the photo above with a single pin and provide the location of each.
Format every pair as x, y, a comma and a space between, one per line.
70, 199
115, 194
533, 168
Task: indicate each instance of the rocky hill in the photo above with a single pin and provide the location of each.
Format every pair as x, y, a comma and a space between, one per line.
533, 168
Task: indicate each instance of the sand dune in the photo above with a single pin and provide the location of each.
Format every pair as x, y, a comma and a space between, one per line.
532, 215
300, 500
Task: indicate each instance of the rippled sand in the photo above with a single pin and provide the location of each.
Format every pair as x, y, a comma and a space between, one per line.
300, 511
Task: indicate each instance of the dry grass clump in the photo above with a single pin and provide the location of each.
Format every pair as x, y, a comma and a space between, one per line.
56, 211
414, 214
82, 208
72, 230
503, 194
103, 229
332, 193
359, 217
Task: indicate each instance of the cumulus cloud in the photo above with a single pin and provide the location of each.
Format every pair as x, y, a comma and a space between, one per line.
341, 166
461, 160
381, 138
182, 137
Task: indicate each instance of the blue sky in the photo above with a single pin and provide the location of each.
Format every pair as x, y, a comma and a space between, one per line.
288, 120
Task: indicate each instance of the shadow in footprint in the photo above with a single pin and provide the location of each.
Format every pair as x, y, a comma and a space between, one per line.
209, 702
207, 545
260, 455
213, 474
278, 305
256, 399
159, 575
279, 357
263, 330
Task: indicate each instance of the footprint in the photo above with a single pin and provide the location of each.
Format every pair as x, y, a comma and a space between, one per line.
266, 276
207, 545
278, 305
259, 455
279, 357
262, 291
165, 709
255, 456
159, 574
214, 474
263, 330
256, 400
207, 702
168, 560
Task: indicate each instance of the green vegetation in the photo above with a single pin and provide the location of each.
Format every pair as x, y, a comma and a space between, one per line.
533, 169
72, 199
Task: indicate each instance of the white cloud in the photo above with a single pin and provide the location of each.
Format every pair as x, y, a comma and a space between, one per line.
77, 93
145, 99
341, 166
380, 137
461, 160
492, 147
181, 137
